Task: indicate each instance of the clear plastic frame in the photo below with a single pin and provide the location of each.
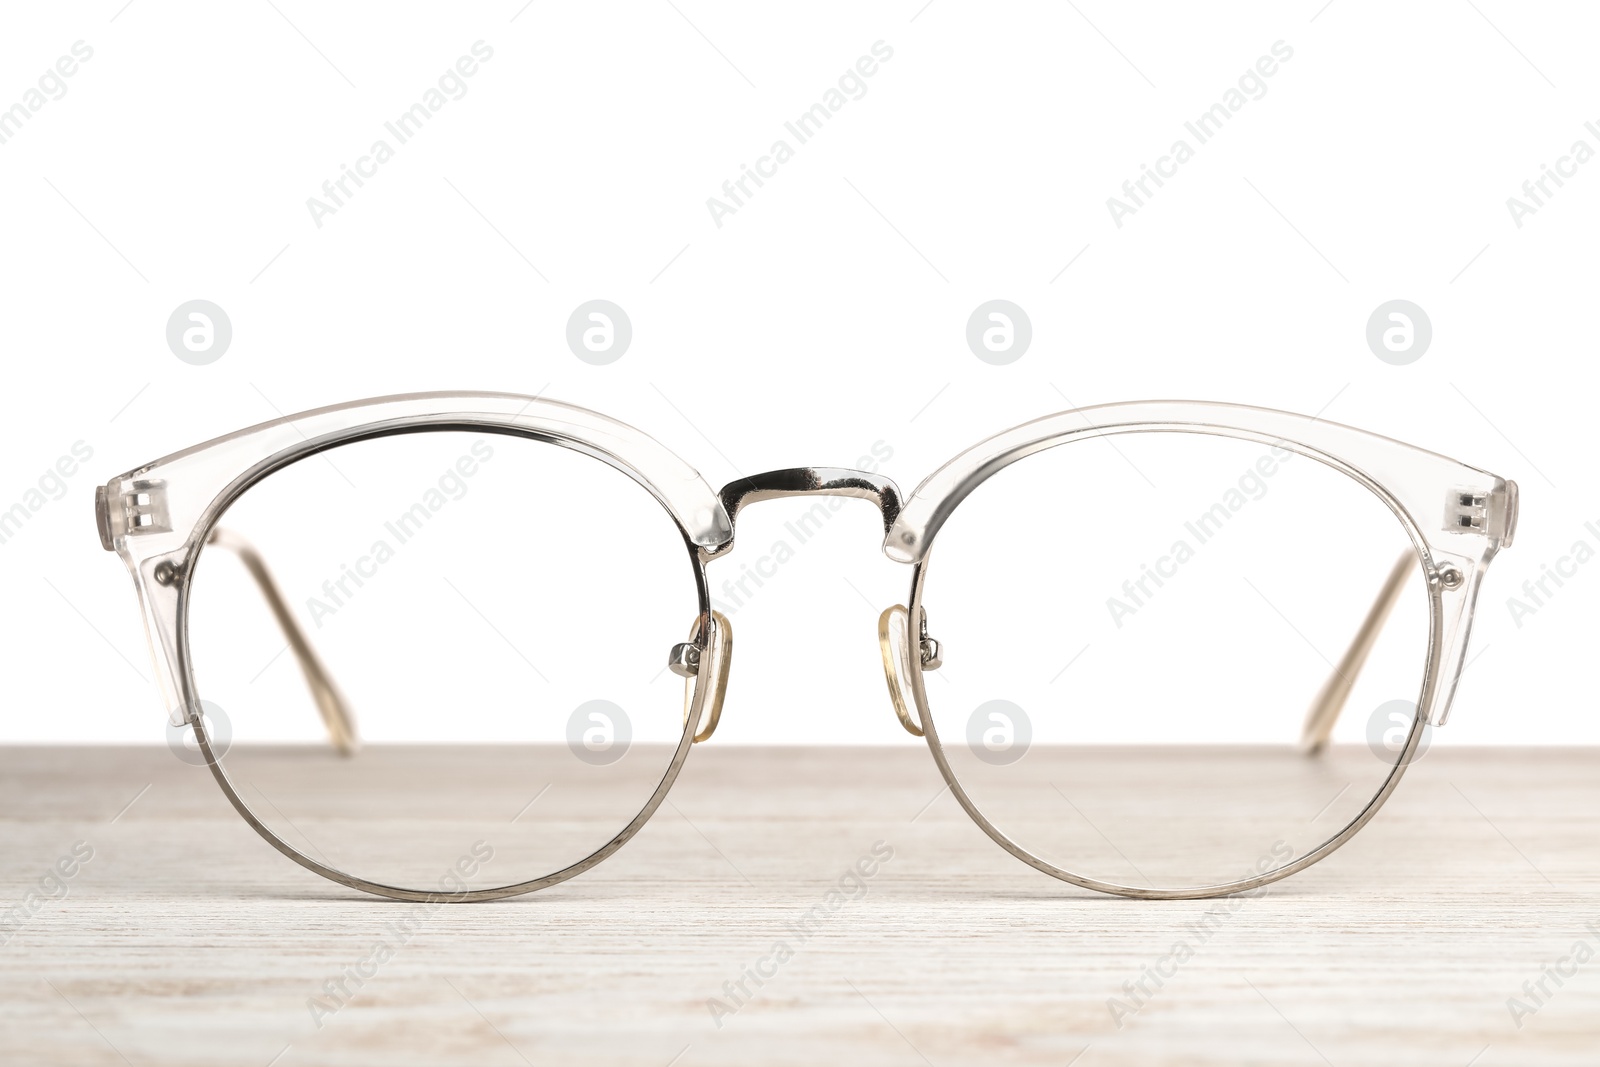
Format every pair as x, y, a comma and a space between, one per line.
1451, 519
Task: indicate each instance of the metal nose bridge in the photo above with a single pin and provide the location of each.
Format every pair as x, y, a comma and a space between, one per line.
813, 481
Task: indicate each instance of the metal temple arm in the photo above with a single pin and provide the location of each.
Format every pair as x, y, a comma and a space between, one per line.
330, 702
1330, 699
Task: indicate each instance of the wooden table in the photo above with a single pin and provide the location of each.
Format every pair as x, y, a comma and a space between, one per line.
186, 940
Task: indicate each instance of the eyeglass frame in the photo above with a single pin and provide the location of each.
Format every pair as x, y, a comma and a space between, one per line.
159, 518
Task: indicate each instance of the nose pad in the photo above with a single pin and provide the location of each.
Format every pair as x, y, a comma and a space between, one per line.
894, 642
706, 667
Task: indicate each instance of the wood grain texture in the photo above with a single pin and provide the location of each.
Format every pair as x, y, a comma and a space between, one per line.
186, 940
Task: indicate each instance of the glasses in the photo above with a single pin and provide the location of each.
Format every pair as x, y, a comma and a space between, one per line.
458, 677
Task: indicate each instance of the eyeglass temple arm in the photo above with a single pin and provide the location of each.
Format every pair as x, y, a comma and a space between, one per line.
336, 714
1330, 699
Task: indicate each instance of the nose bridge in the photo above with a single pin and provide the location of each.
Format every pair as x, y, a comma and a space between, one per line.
812, 481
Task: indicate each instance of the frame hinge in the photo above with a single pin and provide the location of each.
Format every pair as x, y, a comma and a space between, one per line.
1492, 513
144, 508
102, 519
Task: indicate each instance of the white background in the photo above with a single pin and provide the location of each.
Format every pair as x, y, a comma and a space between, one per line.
829, 312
